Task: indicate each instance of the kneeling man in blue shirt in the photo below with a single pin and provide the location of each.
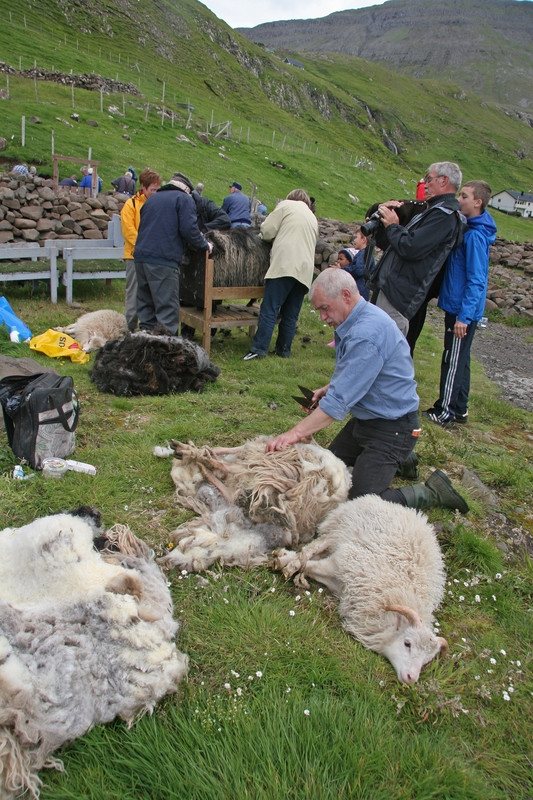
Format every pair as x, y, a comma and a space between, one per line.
374, 382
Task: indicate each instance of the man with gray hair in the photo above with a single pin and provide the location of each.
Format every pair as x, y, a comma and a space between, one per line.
410, 270
374, 382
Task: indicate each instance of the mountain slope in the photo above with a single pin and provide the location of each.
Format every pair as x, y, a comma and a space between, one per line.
348, 131
483, 45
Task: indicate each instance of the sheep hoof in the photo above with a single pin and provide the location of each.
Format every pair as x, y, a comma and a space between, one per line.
287, 561
301, 582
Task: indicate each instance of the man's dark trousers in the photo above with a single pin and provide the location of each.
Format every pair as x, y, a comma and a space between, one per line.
376, 448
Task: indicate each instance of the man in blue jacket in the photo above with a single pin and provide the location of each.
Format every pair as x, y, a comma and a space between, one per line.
168, 223
462, 298
237, 206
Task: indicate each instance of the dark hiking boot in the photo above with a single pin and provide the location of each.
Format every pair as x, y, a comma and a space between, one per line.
436, 491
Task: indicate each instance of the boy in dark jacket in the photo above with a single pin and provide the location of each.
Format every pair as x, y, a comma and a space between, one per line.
462, 298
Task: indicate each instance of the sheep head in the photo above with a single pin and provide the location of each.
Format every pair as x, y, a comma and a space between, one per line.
412, 645
94, 342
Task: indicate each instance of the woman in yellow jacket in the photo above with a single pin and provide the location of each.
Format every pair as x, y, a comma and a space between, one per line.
130, 217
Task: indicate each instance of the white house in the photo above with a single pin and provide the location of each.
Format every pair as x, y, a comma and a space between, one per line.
511, 202
524, 204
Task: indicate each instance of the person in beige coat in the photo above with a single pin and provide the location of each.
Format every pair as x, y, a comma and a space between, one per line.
293, 228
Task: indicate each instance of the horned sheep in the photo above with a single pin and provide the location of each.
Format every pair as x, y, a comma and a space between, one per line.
94, 329
383, 563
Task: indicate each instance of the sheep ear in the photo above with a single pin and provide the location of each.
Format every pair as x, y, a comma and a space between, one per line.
444, 647
410, 614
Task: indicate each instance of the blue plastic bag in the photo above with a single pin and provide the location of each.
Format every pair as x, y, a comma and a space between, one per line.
7, 317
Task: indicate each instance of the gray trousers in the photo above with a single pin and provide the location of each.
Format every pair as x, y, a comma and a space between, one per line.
131, 294
384, 303
158, 296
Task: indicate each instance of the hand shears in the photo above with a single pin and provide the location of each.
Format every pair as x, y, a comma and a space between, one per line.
307, 400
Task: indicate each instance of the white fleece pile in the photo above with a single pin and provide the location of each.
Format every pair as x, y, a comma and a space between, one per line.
84, 637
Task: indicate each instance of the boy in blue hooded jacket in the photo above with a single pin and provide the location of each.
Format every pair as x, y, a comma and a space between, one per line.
462, 298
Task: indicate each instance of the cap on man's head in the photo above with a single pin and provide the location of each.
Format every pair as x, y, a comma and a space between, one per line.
179, 177
237, 186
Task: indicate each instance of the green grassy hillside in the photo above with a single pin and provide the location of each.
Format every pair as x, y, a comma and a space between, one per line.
323, 127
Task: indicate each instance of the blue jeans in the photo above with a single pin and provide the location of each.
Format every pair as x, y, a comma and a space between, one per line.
283, 296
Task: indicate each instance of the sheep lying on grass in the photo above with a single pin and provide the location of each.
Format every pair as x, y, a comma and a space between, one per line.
85, 636
251, 502
383, 562
94, 329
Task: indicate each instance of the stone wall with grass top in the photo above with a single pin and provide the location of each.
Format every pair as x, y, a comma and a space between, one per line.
31, 211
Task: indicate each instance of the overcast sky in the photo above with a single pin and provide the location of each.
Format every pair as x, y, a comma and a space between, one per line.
247, 14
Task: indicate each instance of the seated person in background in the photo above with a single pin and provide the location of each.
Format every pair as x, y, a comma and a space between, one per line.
87, 180
237, 206
356, 265
22, 169
69, 181
125, 184
210, 216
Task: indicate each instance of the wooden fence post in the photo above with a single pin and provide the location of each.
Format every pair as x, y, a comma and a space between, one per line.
35, 83
72, 87
23, 130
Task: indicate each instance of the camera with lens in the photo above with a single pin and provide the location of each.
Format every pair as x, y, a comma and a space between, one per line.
371, 224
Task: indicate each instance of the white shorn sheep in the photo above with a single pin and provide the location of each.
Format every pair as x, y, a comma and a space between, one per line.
94, 329
383, 562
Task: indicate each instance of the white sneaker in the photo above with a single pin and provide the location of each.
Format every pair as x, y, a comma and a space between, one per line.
250, 355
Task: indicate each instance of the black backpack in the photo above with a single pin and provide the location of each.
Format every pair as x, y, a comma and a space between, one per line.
40, 414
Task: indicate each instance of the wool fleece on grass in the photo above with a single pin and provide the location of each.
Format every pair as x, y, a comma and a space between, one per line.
85, 636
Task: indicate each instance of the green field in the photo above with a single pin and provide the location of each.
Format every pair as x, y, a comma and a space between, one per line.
321, 128
463, 732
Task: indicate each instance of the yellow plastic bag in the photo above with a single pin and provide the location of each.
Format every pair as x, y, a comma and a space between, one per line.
57, 345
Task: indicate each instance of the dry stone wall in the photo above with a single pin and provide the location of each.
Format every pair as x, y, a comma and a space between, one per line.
31, 211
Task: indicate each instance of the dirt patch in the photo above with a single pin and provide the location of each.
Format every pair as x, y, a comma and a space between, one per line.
505, 353
507, 356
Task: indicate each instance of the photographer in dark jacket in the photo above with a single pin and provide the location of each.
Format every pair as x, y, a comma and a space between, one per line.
168, 223
418, 251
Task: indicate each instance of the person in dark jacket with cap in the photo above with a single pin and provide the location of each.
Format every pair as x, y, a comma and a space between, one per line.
168, 223
237, 206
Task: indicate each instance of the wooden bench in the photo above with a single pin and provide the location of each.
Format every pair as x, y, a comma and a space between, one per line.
206, 318
31, 251
111, 248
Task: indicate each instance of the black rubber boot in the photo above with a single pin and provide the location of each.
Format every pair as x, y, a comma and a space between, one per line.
436, 491
409, 468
